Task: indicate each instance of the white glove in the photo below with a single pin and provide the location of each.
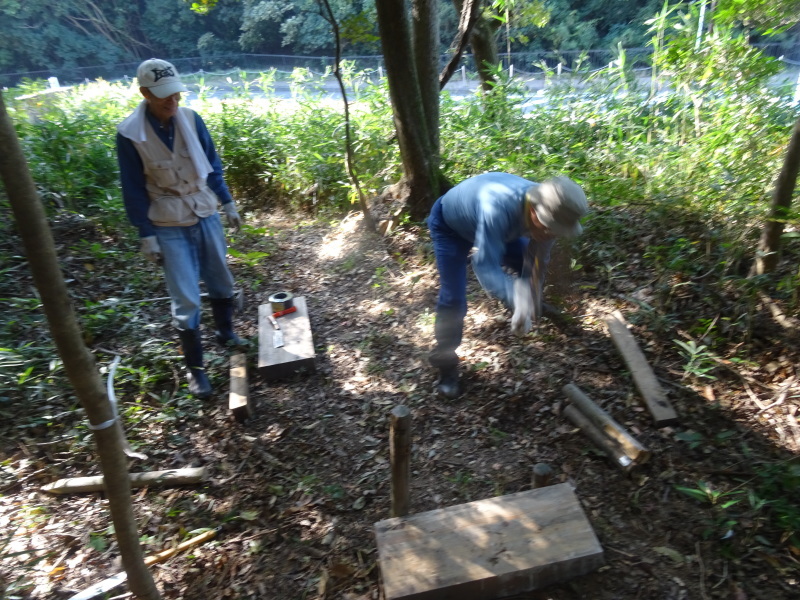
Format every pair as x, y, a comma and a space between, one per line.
234, 220
150, 248
523, 307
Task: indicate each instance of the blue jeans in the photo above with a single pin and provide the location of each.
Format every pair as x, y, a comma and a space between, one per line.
190, 254
452, 256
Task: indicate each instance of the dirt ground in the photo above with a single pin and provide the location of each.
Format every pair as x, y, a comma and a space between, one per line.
296, 490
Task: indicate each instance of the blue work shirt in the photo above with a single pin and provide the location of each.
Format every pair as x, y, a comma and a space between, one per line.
489, 211
131, 170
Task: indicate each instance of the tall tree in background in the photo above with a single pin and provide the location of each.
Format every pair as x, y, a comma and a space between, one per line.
410, 41
79, 364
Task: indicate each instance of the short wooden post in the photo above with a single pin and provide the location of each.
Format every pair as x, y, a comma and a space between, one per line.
400, 456
239, 395
542, 474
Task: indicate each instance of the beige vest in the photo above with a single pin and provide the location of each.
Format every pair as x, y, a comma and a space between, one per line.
178, 197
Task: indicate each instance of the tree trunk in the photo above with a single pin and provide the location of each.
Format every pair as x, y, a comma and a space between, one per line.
79, 363
414, 91
768, 251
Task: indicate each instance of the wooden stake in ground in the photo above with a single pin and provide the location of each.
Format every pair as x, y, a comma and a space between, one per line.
400, 456
542, 475
654, 396
605, 422
77, 485
239, 396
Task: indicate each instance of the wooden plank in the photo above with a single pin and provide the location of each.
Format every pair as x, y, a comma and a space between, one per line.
489, 548
643, 376
239, 395
297, 352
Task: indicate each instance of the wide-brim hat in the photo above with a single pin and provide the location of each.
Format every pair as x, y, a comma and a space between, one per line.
160, 77
559, 204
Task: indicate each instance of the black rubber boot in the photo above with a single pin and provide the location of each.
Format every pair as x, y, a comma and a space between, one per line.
447, 330
447, 385
222, 310
193, 354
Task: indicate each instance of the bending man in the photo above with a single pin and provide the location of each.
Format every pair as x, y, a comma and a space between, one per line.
513, 223
172, 182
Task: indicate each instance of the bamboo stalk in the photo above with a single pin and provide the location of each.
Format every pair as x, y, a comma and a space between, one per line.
606, 423
606, 444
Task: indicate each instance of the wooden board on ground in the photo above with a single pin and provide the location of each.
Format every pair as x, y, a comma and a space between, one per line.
654, 396
239, 395
489, 548
297, 352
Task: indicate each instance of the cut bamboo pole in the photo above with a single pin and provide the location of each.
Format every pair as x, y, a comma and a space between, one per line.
400, 456
76, 485
612, 449
606, 423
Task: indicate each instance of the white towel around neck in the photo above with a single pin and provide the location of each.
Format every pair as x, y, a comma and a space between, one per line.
134, 128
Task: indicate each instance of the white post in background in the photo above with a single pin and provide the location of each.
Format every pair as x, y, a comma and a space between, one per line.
53, 81
510, 70
558, 70
797, 90
464, 74
380, 72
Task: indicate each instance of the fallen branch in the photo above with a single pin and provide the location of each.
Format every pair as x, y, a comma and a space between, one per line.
121, 577
76, 485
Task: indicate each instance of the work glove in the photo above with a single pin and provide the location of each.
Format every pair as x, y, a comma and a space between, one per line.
234, 220
151, 249
523, 307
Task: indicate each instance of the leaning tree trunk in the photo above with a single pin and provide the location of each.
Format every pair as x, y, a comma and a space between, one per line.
469, 13
483, 40
79, 363
768, 251
415, 109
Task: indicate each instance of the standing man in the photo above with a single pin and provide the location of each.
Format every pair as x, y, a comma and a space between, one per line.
172, 182
513, 223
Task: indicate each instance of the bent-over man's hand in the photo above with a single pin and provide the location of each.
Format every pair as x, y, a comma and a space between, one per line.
234, 220
523, 307
150, 248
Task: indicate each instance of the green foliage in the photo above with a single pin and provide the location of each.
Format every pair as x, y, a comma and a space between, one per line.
699, 362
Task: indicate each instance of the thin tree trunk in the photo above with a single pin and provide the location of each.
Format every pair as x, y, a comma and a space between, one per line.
337, 72
79, 363
768, 251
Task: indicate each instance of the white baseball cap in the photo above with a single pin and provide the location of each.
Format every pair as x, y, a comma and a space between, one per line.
559, 203
160, 77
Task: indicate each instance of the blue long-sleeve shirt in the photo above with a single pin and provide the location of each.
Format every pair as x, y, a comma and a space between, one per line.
131, 169
489, 211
